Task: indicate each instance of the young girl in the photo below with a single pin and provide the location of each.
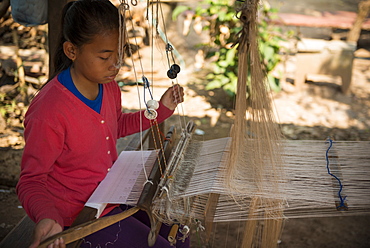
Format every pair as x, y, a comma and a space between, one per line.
71, 129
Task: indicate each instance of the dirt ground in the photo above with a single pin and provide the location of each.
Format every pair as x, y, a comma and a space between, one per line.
317, 111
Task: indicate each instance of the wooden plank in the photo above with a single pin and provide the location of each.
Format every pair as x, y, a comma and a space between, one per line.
86, 214
88, 228
209, 213
21, 234
333, 19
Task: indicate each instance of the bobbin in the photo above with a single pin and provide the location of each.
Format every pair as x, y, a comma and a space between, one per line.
173, 71
152, 104
171, 74
176, 68
150, 114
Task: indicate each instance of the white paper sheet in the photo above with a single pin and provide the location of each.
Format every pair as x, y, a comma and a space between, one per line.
120, 180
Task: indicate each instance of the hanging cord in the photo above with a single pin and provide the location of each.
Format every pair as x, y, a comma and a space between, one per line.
149, 112
163, 34
153, 14
174, 69
160, 149
122, 8
342, 205
147, 86
180, 107
173, 52
123, 39
151, 105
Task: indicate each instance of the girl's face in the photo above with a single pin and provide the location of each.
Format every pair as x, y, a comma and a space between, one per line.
95, 62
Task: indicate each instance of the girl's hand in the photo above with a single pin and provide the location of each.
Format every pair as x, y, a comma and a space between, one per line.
173, 96
45, 229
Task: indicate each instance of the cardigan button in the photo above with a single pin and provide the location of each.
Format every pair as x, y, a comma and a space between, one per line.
108, 152
107, 138
102, 121
108, 169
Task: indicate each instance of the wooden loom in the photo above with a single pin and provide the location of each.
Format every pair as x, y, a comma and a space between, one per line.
296, 209
311, 193
255, 209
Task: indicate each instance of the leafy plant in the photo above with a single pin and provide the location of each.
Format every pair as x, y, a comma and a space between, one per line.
223, 27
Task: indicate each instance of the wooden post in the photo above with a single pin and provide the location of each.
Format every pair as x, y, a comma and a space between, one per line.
20, 68
54, 28
4, 6
363, 10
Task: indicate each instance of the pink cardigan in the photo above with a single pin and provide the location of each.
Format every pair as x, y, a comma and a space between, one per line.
70, 148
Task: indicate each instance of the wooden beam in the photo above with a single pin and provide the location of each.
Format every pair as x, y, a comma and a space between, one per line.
363, 10
85, 229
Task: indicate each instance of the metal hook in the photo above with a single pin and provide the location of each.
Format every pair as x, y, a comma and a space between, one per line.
146, 82
124, 6
169, 47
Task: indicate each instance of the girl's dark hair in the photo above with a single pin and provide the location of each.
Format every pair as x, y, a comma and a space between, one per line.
81, 21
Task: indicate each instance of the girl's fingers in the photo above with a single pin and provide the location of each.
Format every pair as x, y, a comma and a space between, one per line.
178, 94
58, 243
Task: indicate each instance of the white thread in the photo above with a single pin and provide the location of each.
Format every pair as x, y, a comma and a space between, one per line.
148, 181
117, 236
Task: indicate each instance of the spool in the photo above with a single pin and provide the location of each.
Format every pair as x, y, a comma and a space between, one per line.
152, 104
176, 68
150, 114
173, 233
171, 74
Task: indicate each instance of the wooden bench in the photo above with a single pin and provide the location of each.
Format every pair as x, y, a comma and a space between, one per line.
21, 235
314, 56
325, 19
332, 58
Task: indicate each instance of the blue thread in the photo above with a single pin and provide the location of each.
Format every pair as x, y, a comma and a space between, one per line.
342, 199
147, 86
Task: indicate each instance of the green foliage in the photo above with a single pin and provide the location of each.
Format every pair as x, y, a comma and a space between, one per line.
12, 108
224, 74
7, 108
223, 27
